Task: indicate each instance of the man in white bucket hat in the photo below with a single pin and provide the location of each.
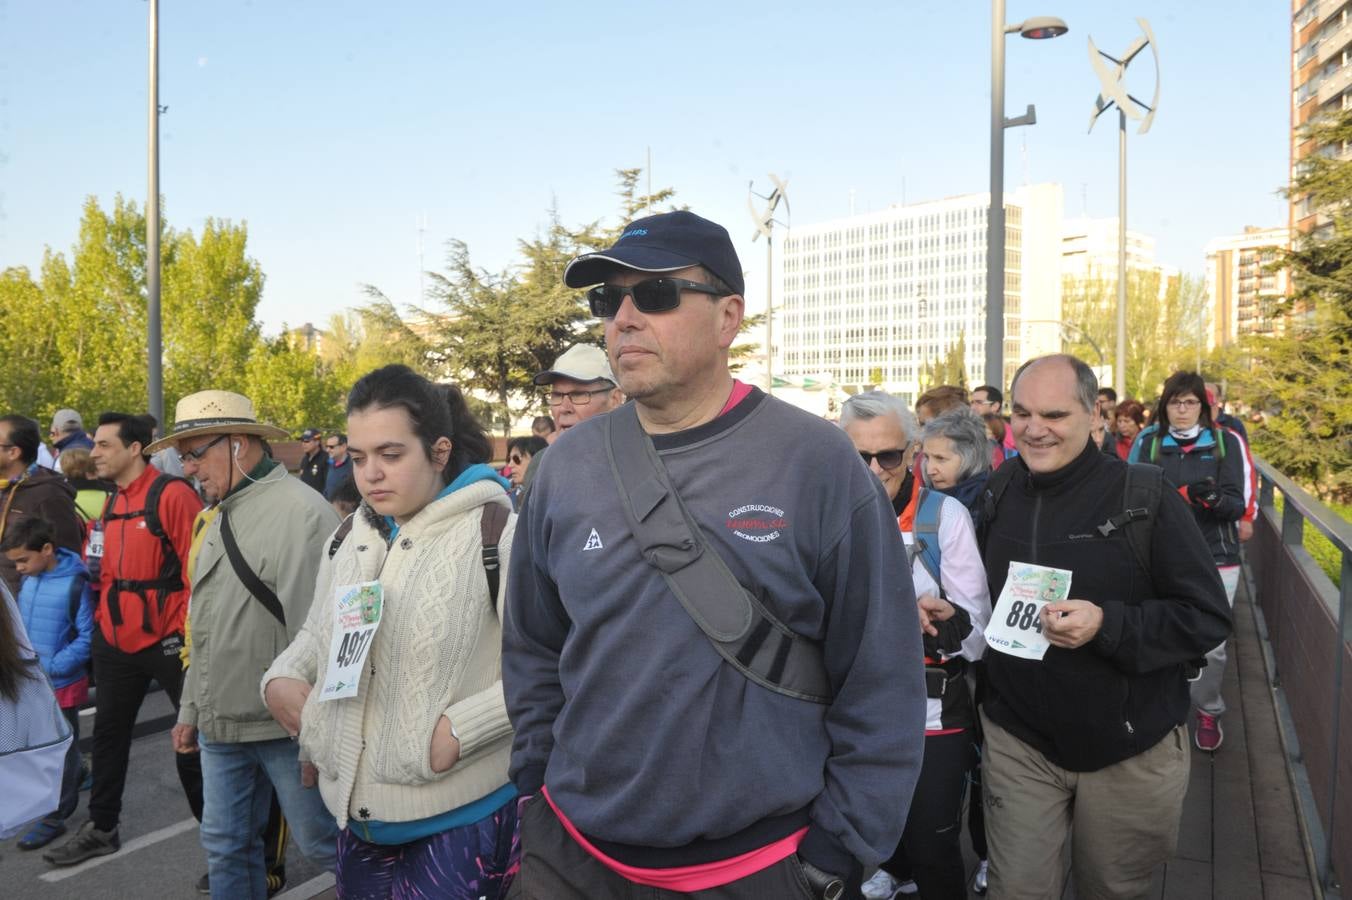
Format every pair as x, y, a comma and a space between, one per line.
253, 578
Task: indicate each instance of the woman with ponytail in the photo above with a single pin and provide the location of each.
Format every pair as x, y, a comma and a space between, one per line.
412, 758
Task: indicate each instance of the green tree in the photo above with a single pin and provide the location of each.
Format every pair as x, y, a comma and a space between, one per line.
210, 290
30, 379
1301, 378
291, 387
1166, 324
950, 369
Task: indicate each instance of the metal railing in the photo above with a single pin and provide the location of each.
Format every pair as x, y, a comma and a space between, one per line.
1310, 627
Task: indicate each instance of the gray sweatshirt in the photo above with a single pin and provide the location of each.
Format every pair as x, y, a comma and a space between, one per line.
660, 752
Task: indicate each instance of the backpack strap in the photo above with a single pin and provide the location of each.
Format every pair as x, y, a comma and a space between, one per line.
990, 500
248, 576
491, 523
929, 514
738, 626
1140, 503
170, 576
340, 535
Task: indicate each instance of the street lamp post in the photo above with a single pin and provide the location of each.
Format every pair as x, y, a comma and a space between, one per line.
1036, 28
155, 377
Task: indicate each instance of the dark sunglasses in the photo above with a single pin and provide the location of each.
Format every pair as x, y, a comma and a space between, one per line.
515, 459
196, 455
650, 295
888, 459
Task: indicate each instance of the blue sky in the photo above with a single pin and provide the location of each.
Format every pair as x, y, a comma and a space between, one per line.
332, 127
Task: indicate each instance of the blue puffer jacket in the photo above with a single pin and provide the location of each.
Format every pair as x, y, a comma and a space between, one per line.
45, 603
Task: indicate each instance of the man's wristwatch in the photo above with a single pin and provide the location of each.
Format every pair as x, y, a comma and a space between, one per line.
823, 884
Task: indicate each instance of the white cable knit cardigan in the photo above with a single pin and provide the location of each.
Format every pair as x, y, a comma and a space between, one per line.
437, 652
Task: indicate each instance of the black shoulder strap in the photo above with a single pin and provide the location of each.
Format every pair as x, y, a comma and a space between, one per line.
743, 632
491, 523
1140, 503
344, 529
77, 589
990, 499
247, 575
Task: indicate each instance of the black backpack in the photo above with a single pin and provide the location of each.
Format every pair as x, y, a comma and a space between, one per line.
1141, 502
491, 523
170, 577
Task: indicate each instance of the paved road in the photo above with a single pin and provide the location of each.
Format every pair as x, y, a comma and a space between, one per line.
160, 857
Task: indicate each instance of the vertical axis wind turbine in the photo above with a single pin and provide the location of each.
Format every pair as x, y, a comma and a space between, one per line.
1114, 93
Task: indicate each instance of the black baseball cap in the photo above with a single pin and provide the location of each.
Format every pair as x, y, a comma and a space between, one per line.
663, 243
309, 434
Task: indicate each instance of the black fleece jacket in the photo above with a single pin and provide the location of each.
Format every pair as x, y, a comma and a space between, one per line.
1120, 693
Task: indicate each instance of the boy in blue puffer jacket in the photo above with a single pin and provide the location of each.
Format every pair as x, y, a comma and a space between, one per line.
58, 614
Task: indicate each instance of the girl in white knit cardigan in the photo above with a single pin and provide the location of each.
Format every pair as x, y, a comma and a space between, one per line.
413, 762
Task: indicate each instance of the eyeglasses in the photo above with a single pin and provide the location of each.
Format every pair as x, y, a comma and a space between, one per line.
650, 295
1185, 403
515, 459
196, 455
579, 398
332, 446
888, 459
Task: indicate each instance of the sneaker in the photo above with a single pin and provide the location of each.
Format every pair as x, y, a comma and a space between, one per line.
42, 834
88, 843
204, 884
907, 888
981, 879
1209, 734
880, 887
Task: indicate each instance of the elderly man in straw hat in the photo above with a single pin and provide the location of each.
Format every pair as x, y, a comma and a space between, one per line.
253, 579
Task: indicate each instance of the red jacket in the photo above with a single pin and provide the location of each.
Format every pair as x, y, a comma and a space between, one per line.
132, 618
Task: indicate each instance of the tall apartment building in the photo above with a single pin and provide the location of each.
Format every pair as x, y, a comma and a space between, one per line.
873, 298
1241, 293
1321, 79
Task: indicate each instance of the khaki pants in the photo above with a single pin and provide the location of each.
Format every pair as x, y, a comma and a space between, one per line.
1122, 820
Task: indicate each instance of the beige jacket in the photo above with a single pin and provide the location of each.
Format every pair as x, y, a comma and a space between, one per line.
437, 652
281, 527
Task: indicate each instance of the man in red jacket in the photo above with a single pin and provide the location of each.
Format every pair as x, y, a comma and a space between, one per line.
143, 600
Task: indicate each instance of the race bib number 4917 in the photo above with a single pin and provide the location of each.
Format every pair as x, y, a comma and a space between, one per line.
357, 610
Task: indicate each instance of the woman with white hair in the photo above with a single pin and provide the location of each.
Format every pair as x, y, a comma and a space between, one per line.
954, 605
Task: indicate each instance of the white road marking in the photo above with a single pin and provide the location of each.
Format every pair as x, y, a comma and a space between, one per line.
131, 846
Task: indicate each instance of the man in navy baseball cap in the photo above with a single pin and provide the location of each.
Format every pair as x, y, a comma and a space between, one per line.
667, 242
617, 697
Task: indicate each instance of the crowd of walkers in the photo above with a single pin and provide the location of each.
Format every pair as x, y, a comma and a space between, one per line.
689, 642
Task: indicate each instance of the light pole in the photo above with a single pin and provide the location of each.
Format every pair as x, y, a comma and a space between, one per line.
155, 375
765, 223
1115, 94
1036, 28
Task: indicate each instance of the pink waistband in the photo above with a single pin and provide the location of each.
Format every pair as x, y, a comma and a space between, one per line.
686, 879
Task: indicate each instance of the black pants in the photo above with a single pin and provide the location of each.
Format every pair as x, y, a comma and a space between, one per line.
931, 846
555, 867
123, 680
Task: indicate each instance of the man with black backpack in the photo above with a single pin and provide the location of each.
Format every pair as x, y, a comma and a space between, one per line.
142, 601
253, 578
1092, 730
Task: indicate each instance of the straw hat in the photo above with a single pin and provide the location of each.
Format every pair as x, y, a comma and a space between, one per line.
215, 412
